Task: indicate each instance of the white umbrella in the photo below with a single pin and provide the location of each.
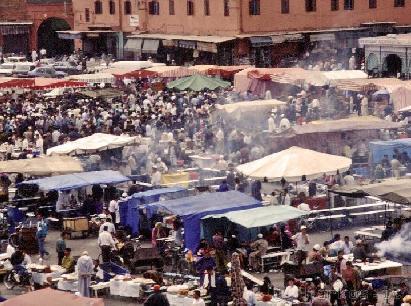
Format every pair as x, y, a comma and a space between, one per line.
293, 163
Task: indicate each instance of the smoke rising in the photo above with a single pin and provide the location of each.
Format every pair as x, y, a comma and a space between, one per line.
399, 247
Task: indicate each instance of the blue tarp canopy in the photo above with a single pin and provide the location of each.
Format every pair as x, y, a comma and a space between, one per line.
380, 148
245, 226
129, 214
78, 180
192, 209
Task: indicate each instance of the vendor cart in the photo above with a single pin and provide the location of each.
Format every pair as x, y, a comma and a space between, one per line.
25, 237
76, 225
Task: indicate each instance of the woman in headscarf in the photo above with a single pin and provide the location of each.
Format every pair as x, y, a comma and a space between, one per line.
237, 282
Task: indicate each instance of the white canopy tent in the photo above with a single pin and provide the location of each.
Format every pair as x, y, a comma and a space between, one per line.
42, 166
293, 163
94, 143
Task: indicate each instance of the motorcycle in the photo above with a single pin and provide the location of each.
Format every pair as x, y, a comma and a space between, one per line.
14, 279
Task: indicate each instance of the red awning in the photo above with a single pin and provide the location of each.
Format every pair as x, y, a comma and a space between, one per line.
40, 83
255, 74
226, 71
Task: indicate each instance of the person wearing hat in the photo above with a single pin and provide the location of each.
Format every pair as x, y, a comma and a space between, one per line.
259, 247
302, 242
157, 298
315, 255
85, 270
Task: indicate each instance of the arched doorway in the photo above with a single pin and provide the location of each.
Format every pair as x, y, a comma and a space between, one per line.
392, 65
47, 37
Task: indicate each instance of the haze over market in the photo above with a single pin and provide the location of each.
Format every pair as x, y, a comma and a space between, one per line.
205, 152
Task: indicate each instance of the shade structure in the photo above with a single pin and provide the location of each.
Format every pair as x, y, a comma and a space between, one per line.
236, 110
43, 166
198, 82
105, 93
396, 191
193, 208
78, 180
380, 148
94, 143
261, 216
40, 83
344, 125
293, 163
51, 297
129, 207
106, 78
172, 71
137, 74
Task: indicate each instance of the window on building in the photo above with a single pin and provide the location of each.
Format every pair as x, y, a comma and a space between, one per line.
310, 6
87, 15
348, 5
207, 7
372, 4
98, 7
226, 7
190, 7
154, 7
127, 7
254, 7
285, 6
335, 5
399, 3
171, 7
112, 7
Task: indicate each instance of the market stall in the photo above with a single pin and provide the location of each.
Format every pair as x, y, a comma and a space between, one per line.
380, 148
198, 82
246, 227
94, 143
192, 209
43, 166
293, 163
129, 207
95, 78
252, 113
77, 180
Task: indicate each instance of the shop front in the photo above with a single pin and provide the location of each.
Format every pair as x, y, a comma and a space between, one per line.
14, 37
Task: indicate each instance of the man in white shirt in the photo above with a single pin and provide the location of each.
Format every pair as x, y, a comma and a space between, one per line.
112, 209
110, 226
249, 296
302, 241
349, 179
284, 123
106, 243
336, 246
291, 291
271, 124
348, 246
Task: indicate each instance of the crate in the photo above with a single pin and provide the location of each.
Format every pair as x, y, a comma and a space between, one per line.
79, 224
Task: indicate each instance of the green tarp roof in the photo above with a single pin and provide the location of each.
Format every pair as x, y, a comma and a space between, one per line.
198, 82
261, 216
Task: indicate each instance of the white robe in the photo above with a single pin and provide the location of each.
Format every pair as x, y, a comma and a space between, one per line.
85, 270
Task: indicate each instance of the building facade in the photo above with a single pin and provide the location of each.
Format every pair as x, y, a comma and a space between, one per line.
101, 25
260, 32
27, 25
388, 55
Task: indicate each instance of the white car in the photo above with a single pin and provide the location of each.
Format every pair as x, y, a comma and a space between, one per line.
16, 59
6, 69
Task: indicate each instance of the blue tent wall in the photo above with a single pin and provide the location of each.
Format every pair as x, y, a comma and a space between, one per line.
193, 208
380, 148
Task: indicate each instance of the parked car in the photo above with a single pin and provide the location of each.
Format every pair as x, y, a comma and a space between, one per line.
16, 59
67, 67
46, 72
6, 69
22, 69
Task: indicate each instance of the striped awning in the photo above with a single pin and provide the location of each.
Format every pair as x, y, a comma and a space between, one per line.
356, 85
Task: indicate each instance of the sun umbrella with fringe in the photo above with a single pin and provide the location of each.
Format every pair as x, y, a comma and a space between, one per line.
198, 82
